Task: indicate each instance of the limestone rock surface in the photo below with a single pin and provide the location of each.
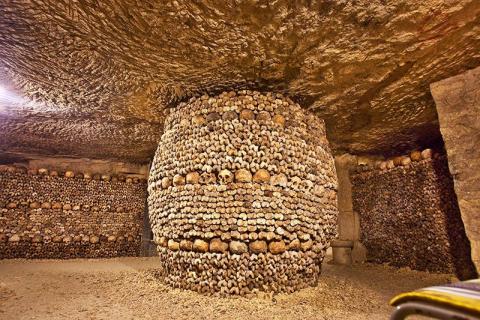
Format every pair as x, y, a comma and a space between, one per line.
98, 80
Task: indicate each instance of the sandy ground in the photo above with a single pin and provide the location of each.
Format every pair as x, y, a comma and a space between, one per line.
126, 288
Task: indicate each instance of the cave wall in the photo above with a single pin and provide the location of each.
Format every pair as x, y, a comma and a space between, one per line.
458, 107
409, 215
49, 214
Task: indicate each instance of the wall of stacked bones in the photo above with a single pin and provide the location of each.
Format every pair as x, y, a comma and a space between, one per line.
242, 194
50, 214
409, 215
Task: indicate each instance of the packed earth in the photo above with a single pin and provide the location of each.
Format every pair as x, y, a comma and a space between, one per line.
128, 288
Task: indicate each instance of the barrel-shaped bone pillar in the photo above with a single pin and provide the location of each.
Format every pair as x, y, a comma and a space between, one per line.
242, 194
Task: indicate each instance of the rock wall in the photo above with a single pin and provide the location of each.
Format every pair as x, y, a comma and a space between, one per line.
409, 215
48, 214
242, 194
458, 107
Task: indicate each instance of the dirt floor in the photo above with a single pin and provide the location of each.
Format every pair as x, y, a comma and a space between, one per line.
126, 288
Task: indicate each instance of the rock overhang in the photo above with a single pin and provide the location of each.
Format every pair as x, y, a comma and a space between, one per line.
104, 75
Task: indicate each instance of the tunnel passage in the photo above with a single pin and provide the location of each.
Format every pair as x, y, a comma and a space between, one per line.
242, 194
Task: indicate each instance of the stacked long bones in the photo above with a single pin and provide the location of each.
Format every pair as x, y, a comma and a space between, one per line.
242, 194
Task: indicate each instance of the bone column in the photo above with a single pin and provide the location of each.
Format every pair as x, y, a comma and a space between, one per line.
242, 194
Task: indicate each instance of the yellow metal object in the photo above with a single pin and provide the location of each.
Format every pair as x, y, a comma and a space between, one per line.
464, 296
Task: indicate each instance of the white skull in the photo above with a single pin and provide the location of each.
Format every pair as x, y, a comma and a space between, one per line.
225, 176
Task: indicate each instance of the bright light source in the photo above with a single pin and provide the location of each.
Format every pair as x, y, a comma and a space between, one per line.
8, 98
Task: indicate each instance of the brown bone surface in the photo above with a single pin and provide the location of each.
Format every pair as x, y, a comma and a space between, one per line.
253, 200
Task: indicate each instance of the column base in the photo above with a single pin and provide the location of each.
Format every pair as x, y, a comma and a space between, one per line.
348, 252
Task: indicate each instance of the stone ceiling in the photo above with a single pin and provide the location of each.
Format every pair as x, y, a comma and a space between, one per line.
95, 78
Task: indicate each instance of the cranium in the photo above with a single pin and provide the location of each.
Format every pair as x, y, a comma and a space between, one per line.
279, 180
198, 120
279, 120
296, 182
318, 190
213, 116
69, 174
166, 182
193, 177
246, 114
263, 116
207, 178
178, 180
229, 115
261, 176
243, 175
225, 176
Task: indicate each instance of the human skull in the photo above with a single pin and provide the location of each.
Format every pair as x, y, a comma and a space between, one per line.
166, 182
246, 114
261, 176
178, 180
229, 115
193, 177
213, 116
263, 116
243, 175
207, 178
296, 183
279, 180
198, 120
279, 120
69, 174
225, 176
318, 190
184, 123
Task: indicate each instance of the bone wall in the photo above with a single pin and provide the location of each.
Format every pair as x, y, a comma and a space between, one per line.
409, 215
242, 194
50, 214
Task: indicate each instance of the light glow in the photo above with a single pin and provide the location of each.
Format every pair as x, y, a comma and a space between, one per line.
8, 98
12, 101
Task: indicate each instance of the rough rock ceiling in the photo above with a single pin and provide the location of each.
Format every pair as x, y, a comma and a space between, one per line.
95, 78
